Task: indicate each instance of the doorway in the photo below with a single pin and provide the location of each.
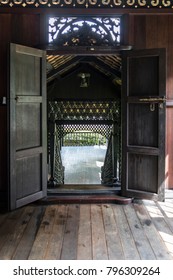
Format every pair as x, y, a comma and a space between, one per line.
143, 111
84, 127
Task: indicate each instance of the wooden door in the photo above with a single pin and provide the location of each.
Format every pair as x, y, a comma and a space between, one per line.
143, 123
27, 126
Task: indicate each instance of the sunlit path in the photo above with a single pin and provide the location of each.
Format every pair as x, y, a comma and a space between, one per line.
83, 164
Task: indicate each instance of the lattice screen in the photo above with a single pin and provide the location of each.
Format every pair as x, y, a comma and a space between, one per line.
104, 130
84, 110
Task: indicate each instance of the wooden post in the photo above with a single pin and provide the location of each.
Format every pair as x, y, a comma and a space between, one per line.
52, 153
114, 152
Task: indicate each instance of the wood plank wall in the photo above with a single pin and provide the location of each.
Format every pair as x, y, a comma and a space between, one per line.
155, 31
144, 31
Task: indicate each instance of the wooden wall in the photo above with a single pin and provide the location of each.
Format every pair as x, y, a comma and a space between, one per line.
144, 31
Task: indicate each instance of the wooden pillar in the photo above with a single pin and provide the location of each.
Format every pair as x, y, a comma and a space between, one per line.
114, 152
52, 153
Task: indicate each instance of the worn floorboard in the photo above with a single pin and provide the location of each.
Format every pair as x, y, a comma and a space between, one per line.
14, 232
143, 246
141, 230
70, 241
41, 242
54, 247
27, 239
98, 234
84, 250
126, 237
114, 246
151, 233
161, 224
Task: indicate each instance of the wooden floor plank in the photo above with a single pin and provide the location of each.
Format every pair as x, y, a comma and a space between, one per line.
54, 247
113, 241
24, 247
8, 225
39, 247
98, 234
88, 231
14, 236
69, 247
3, 218
128, 244
141, 241
160, 224
166, 209
151, 232
84, 251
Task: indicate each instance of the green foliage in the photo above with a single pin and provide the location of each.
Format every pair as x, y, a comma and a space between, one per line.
84, 139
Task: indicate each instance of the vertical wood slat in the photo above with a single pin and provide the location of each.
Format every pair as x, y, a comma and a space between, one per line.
71, 234
84, 251
151, 31
25, 29
98, 235
42, 238
151, 233
8, 226
14, 237
113, 241
127, 240
160, 224
54, 247
166, 209
139, 28
27, 240
141, 241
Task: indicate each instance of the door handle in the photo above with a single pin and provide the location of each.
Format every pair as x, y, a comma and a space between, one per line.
153, 99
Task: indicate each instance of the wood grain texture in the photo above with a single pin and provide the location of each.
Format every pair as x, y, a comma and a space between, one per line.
71, 234
112, 234
13, 238
142, 230
23, 248
41, 242
151, 233
160, 224
142, 244
57, 235
84, 251
127, 239
98, 235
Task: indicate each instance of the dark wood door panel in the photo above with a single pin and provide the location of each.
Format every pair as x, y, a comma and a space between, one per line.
27, 125
142, 69
143, 123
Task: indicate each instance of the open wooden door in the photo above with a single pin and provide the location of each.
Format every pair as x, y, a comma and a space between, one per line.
143, 123
27, 126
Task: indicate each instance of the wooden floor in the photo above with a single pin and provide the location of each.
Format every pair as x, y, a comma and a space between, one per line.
140, 230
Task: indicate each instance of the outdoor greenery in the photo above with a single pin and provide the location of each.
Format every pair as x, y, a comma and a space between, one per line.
84, 138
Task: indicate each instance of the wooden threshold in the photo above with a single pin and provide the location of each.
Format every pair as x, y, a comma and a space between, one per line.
85, 199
